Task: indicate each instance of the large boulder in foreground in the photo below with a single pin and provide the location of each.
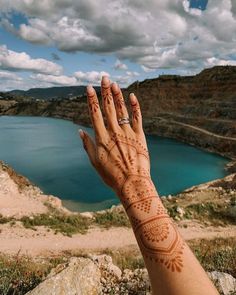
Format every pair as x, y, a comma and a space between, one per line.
94, 275
225, 283
81, 277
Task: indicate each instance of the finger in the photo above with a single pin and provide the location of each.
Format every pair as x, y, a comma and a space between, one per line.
95, 112
121, 110
89, 146
136, 113
108, 104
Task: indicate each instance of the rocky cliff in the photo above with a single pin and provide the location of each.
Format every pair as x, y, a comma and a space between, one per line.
199, 110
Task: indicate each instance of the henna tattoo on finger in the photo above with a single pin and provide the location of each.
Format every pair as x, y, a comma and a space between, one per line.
135, 111
107, 95
119, 103
93, 104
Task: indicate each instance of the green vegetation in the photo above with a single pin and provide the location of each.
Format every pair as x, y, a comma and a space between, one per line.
5, 219
214, 208
65, 224
126, 259
69, 224
215, 213
112, 218
19, 274
218, 254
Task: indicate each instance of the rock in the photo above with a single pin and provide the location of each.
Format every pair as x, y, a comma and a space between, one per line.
225, 283
105, 263
180, 211
81, 277
169, 197
87, 214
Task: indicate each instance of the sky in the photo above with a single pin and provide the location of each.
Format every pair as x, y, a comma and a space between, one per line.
65, 42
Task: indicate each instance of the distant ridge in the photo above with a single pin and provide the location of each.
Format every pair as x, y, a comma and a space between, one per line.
64, 92
52, 92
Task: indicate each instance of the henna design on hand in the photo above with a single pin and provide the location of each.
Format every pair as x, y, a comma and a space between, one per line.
136, 189
117, 158
119, 101
136, 111
94, 105
121, 157
107, 95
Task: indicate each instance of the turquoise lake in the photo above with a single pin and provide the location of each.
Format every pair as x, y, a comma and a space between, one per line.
50, 153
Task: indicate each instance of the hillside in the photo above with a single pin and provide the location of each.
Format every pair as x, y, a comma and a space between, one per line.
199, 110
51, 93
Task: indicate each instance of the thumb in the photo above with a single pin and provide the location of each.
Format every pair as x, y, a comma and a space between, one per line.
89, 146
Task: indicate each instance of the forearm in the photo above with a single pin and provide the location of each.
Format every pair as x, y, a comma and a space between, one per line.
120, 155
172, 267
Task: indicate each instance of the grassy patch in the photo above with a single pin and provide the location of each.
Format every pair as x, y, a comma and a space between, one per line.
75, 223
19, 274
65, 224
218, 254
5, 219
215, 213
113, 218
126, 259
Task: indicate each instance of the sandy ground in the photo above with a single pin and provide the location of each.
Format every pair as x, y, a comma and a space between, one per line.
22, 202
42, 242
18, 198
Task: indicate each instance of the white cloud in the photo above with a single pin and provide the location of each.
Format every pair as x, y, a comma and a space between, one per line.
92, 77
132, 74
127, 78
58, 80
33, 35
154, 34
10, 81
5, 75
147, 70
212, 61
21, 61
120, 66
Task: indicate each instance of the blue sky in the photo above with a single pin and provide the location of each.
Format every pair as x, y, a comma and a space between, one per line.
46, 43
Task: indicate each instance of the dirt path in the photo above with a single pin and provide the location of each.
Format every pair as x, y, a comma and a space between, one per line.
203, 130
42, 242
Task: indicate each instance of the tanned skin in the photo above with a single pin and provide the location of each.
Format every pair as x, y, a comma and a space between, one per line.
120, 155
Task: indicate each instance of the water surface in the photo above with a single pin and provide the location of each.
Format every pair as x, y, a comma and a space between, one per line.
50, 153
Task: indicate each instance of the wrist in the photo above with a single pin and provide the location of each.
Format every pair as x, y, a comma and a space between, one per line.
136, 188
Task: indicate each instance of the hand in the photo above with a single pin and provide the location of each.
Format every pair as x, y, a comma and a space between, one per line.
119, 150
120, 156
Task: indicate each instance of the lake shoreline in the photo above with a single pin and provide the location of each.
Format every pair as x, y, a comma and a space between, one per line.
45, 151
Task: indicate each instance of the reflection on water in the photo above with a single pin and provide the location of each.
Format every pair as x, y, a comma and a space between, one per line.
50, 153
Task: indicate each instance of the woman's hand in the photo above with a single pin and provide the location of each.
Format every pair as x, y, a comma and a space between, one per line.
120, 156
119, 150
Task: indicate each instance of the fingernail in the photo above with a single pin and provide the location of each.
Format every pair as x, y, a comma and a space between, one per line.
81, 133
105, 80
90, 89
115, 86
132, 97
